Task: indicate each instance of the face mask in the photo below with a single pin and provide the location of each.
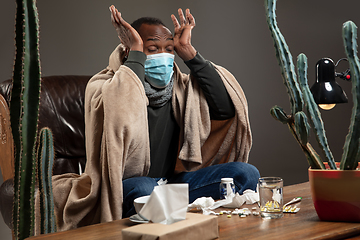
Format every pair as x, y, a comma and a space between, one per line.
159, 69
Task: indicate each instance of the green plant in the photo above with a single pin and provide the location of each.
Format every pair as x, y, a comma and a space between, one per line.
45, 160
351, 154
24, 111
301, 98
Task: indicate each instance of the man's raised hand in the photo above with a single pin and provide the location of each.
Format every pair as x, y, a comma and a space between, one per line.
182, 34
127, 34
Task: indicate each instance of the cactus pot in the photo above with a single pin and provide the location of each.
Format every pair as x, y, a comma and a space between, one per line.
336, 194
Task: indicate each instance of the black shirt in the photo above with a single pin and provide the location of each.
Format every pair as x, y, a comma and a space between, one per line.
163, 129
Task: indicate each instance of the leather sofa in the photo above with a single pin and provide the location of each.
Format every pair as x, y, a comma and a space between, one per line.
62, 110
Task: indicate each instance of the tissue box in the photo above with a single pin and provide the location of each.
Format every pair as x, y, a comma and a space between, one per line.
195, 226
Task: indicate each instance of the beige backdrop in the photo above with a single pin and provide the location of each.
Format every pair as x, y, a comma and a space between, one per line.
77, 37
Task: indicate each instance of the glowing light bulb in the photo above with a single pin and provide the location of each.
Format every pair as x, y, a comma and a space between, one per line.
327, 106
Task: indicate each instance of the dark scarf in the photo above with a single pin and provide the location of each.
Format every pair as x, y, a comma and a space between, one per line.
158, 97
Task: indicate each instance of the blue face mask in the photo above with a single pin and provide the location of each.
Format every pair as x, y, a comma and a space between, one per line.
159, 69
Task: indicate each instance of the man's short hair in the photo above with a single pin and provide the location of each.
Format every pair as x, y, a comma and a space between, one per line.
146, 20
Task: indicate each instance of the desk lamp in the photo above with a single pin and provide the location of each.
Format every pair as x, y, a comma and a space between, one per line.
326, 91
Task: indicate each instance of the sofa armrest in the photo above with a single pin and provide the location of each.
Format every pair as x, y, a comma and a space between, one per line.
6, 142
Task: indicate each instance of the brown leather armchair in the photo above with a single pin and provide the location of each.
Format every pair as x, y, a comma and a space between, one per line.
62, 110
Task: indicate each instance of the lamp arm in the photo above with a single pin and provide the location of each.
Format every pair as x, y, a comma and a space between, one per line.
346, 75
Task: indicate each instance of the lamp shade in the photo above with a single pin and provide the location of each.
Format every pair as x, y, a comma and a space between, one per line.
326, 90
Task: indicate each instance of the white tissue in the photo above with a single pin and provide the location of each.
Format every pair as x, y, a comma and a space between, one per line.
249, 197
167, 204
162, 182
207, 204
202, 203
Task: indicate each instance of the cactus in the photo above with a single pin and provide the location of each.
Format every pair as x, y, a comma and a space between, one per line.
301, 127
284, 58
45, 160
313, 110
24, 111
279, 114
24, 107
351, 157
298, 121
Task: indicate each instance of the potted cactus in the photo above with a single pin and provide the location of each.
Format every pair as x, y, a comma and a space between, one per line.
333, 184
33, 156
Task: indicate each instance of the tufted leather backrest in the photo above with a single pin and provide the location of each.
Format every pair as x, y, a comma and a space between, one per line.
62, 110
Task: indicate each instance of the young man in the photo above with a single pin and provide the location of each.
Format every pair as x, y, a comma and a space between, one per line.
143, 116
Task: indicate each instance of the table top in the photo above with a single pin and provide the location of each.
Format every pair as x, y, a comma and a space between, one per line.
302, 225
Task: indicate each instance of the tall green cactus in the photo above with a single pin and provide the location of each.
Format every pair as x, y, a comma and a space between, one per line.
45, 160
297, 121
24, 108
284, 58
351, 155
24, 111
313, 110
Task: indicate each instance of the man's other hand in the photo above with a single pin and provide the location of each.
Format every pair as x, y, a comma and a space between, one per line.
182, 35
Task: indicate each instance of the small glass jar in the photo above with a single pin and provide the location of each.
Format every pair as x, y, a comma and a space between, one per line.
226, 187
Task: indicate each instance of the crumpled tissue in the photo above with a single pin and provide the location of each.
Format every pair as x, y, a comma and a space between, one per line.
207, 204
167, 204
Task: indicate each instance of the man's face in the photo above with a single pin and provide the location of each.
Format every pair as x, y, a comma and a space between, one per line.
156, 39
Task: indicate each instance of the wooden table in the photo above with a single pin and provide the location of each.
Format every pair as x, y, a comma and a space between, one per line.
303, 225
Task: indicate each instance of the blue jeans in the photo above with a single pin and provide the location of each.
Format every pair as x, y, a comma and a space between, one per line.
202, 183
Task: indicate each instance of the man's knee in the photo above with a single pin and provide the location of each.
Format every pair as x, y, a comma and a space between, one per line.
241, 168
245, 175
144, 188
139, 186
